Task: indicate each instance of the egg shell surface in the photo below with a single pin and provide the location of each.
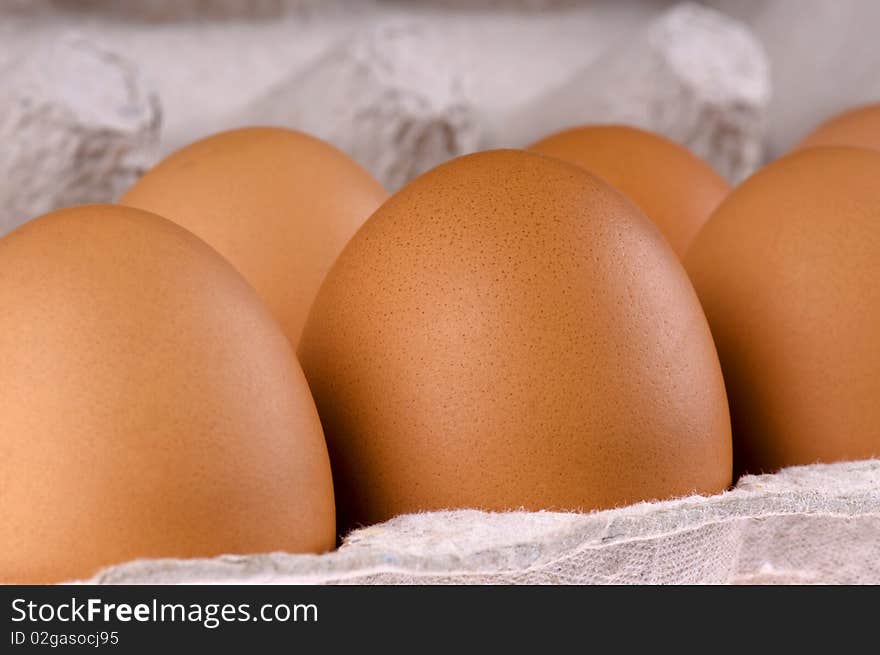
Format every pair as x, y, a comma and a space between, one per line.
279, 204
787, 270
671, 185
508, 331
151, 405
859, 127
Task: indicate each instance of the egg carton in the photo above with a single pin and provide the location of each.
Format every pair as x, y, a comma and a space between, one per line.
815, 524
88, 102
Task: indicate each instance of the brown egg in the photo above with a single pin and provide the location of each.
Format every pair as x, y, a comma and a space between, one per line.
508, 331
278, 204
858, 127
787, 270
151, 406
675, 188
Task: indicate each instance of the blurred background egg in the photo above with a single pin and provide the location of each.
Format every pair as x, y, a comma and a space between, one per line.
509, 331
859, 127
672, 186
151, 406
278, 204
787, 270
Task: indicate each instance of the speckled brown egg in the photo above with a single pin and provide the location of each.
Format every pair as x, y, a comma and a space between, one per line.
787, 270
672, 186
509, 331
858, 127
280, 205
150, 405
